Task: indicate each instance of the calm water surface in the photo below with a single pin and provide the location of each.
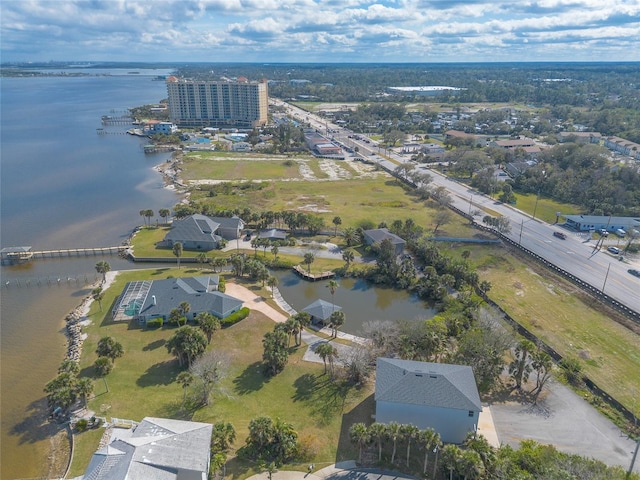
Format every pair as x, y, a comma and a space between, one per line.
62, 186
360, 301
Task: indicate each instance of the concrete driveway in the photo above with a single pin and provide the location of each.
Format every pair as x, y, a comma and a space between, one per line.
568, 422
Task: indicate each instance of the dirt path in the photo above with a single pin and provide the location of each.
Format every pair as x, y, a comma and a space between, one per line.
254, 302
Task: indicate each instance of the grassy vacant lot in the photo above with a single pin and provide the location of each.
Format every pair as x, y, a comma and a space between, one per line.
143, 384
565, 318
223, 166
546, 209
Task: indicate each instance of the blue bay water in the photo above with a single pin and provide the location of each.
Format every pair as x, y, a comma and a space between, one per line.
61, 186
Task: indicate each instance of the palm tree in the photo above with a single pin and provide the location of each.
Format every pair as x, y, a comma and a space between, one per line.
337, 320
348, 256
332, 286
350, 236
470, 465
148, 214
326, 351
394, 432
185, 379
102, 268
177, 251
359, 435
322, 351
377, 431
336, 221
208, 324
97, 294
409, 432
428, 439
450, 456
308, 260
142, 214
202, 259
103, 366
272, 281
164, 213
223, 436
274, 250
304, 320
84, 388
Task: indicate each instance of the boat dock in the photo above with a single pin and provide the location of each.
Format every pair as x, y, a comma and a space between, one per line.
313, 276
23, 254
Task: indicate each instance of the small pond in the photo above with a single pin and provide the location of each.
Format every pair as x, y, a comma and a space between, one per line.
360, 300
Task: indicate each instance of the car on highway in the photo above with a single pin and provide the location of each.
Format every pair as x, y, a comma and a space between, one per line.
559, 235
635, 273
614, 250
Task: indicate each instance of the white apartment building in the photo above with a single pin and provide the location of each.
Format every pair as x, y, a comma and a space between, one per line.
204, 103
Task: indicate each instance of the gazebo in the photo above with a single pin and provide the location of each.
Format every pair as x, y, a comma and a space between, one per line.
321, 310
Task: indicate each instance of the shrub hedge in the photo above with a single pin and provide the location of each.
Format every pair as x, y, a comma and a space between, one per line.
235, 317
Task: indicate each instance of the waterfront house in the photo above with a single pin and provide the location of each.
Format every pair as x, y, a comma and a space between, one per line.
146, 300
159, 448
428, 395
202, 233
377, 235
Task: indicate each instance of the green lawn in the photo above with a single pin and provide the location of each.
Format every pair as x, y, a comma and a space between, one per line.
546, 209
214, 166
565, 318
143, 384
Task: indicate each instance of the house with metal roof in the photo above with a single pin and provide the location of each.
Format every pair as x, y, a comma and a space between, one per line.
428, 395
145, 300
377, 235
158, 448
201, 232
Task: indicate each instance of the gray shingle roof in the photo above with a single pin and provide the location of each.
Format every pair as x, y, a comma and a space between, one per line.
195, 228
379, 234
321, 309
158, 449
429, 384
165, 295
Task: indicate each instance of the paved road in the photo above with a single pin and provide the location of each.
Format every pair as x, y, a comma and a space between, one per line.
575, 255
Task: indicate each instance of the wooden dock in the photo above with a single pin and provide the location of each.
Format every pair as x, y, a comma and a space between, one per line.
24, 254
77, 252
313, 276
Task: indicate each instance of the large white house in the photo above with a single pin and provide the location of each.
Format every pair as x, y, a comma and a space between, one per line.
428, 395
157, 448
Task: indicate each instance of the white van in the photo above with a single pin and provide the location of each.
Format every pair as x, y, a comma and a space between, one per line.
620, 232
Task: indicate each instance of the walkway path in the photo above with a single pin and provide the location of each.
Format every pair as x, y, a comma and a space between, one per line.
343, 470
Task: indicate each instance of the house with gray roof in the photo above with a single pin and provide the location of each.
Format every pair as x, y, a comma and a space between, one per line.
428, 395
321, 310
377, 235
201, 232
157, 448
145, 300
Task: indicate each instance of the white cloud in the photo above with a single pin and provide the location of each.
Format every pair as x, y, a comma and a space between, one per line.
362, 30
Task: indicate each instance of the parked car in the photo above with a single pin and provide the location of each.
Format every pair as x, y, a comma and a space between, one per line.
559, 235
635, 273
614, 250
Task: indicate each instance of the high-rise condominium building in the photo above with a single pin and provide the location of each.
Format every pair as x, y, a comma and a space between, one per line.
203, 103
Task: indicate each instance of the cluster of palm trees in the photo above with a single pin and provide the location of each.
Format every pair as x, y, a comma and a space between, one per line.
65, 389
382, 435
471, 460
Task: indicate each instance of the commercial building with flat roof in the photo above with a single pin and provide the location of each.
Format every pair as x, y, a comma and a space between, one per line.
204, 103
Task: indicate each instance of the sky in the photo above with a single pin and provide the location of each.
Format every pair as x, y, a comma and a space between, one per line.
336, 31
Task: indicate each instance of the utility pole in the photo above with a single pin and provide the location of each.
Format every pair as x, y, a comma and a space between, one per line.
605, 278
633, 459
521, 227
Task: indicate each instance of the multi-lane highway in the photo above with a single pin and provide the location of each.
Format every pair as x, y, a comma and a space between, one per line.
575, 254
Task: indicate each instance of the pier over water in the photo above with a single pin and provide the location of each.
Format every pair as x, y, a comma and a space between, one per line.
24, 254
